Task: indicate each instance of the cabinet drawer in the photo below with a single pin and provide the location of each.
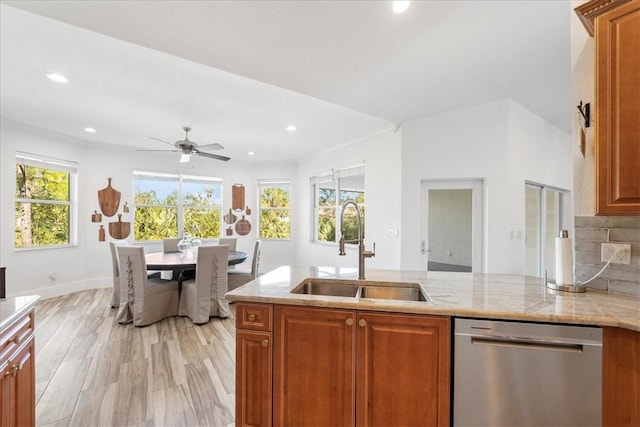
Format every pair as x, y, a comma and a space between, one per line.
15, 335
257, 317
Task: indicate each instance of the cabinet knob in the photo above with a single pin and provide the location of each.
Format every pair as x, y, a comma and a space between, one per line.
252, 318
349, 321
265, 343
362, 323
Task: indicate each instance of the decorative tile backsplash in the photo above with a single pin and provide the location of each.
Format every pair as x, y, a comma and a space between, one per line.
591, 232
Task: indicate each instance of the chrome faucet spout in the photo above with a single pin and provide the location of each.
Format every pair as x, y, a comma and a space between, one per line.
362, 253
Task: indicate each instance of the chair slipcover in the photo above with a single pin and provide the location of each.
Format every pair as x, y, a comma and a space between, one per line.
115, 296
238, 277
203, 296
170, 245
232, 242
143, 300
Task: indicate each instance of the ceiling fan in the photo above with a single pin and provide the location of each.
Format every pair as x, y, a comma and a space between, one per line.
188, 148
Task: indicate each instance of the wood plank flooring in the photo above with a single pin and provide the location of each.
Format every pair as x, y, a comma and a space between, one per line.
91, 371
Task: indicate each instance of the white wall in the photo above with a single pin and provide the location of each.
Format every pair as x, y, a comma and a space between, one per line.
500, 142
89, 264
540, 153
381, 155
583, 89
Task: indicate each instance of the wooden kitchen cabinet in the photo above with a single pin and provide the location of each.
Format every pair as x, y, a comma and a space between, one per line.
17, 373
254, 349
346, 367
403, 370
314, 377
615, 24
620, 377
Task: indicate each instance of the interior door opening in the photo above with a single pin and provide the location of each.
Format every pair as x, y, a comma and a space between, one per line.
451, 230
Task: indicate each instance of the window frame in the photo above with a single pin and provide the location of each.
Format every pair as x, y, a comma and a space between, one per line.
272, 183
180, 206
334, 177
57, 165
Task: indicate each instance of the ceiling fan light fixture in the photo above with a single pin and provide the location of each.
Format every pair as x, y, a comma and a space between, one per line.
185, 157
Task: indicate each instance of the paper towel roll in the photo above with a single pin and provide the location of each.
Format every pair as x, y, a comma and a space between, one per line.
564, 261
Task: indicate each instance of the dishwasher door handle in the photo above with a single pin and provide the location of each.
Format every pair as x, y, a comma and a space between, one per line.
521, 344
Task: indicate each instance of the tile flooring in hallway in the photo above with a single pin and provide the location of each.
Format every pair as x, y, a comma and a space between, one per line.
91, 371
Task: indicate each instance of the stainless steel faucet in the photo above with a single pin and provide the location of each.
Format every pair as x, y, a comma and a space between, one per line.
362, 253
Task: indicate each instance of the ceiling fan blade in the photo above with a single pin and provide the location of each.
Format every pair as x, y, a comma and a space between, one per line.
212, 156
214, 146
166, 151
168, 143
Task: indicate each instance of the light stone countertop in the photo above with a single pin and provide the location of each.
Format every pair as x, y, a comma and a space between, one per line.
489, 296
12, 308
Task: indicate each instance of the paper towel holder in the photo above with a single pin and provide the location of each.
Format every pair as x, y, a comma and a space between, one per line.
564, 288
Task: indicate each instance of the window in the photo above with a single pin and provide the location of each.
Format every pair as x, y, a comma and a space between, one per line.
166, 204
543, 221
275, 216
45, 195
330, 192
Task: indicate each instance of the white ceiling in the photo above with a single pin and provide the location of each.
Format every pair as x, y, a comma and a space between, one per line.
238, 72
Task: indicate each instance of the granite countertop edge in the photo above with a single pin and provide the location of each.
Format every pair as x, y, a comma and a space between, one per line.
486, 296
12, 308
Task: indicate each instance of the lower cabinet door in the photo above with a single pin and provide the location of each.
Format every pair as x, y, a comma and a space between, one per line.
314, 379
18, 407
402, 370
253, 378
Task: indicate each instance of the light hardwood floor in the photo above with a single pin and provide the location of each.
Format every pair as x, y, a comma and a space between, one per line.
91, 371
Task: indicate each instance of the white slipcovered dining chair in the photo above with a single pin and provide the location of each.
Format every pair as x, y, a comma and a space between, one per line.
143, 300
170, 244
232, 242
115, 296
203, 296
239, 277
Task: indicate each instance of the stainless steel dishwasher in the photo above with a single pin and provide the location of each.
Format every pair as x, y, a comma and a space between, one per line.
526, 374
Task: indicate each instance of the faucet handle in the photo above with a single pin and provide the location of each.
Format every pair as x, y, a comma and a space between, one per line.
370, 254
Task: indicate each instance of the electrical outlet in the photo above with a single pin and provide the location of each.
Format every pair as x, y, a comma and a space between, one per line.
622, 253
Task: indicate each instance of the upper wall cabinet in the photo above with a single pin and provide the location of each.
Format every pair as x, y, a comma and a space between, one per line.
615, 24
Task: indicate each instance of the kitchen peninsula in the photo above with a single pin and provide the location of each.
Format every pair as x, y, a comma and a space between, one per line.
280, 332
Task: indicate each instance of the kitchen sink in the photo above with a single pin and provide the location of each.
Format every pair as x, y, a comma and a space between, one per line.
328, 287
403, 291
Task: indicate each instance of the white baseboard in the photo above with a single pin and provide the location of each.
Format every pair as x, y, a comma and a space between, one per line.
67, 288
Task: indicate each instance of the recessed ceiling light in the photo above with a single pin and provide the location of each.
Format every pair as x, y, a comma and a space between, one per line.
251, 153
400, 6
291, 128
90, 130
59, 78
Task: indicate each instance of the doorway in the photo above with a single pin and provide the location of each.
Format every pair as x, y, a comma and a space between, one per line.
544, 217
451, 226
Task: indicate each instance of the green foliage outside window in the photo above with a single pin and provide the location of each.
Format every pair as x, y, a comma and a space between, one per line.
327, 214
157, 215
275, 220
42, 211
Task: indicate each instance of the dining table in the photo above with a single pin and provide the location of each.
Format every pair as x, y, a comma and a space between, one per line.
181, 261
